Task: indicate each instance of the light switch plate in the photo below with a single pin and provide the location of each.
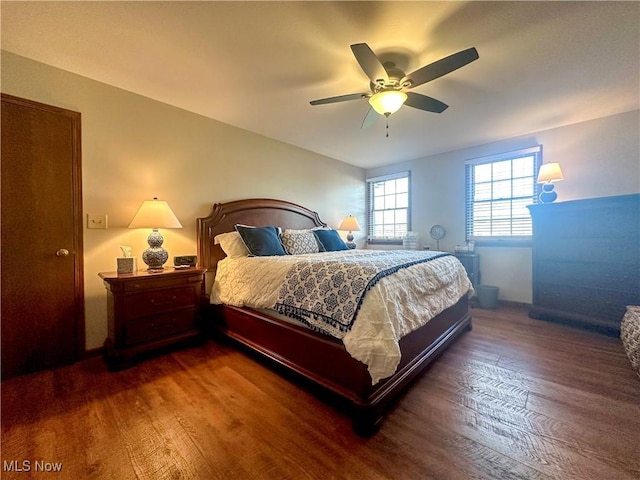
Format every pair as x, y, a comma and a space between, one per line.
97, 220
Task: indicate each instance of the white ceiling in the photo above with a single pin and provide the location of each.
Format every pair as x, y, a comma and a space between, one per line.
256, 65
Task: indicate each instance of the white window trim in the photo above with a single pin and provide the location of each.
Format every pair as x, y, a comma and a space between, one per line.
381, 178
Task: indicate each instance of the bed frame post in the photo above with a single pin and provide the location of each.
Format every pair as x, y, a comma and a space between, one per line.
366, 420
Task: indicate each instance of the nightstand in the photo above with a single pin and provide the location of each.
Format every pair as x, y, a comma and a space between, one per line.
148, 311
471, 263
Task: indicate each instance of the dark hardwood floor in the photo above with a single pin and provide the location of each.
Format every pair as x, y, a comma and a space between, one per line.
514, 398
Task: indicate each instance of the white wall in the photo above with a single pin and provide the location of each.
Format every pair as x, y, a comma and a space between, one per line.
135, 148
599, 158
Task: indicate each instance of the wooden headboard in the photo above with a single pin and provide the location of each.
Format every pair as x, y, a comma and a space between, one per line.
254, 211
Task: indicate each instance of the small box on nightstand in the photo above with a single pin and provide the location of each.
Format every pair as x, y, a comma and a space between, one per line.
126, 264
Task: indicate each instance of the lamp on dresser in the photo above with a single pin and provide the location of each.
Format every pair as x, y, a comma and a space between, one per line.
350, 224
155, 214
549, 173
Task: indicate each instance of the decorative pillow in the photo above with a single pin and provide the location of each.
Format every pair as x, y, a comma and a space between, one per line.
330, 240
261, 241
298, 242
231, 244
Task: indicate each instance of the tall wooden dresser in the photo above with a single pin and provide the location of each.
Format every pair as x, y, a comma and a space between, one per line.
586, 261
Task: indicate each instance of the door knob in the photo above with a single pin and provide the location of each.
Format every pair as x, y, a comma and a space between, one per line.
63, 252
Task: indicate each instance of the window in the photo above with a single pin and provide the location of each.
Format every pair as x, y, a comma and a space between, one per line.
498, 190
389, 211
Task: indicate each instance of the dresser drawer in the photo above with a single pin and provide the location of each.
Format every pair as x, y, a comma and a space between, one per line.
159, 326
606, 304
623, 250
612, 276
158, 301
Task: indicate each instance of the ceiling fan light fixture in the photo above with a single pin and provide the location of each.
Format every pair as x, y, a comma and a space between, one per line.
388, 102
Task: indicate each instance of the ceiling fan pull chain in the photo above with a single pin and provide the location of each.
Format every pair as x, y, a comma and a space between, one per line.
387, 115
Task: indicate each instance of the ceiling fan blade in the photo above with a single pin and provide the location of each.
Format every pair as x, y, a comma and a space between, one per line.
422, 102
441, 67
370, 118
340, 98
369, 63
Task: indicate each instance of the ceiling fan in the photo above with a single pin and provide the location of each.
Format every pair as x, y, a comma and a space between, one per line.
389, 83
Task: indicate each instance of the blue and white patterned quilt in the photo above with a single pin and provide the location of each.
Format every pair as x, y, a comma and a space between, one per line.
327, 295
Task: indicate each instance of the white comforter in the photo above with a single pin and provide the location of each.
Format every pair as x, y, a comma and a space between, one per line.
395, 306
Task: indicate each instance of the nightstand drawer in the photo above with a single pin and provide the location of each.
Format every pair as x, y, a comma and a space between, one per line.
159, 281
158, 301
159, 326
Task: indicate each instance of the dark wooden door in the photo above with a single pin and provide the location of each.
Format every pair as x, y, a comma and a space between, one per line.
42, 292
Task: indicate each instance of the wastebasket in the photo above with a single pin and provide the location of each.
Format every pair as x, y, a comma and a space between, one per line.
487, 296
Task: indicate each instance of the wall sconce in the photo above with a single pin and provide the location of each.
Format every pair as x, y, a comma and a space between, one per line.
549, 173
155, 214
350, 224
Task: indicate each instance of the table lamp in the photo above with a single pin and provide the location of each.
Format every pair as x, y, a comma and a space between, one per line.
155, 214
350, 224
549, 172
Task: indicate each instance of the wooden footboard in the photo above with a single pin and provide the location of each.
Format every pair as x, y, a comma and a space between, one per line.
325, 362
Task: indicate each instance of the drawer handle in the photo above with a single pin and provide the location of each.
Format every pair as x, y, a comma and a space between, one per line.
162, 326
167, 302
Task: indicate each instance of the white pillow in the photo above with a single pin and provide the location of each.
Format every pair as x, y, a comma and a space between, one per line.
231, 244
299, 242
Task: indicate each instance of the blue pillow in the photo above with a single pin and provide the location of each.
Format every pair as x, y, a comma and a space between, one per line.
261, 241
330, 240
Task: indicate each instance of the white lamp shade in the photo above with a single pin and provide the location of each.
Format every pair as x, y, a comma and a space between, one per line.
387, 101
550, 172
349, 224
155, 214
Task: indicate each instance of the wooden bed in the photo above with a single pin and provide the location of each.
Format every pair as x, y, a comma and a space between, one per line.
319, 358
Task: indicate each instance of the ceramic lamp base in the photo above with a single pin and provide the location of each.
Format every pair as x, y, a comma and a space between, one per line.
155, 256
350, 243
548, 195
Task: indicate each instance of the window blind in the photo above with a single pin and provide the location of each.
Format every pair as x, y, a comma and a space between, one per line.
498, 190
